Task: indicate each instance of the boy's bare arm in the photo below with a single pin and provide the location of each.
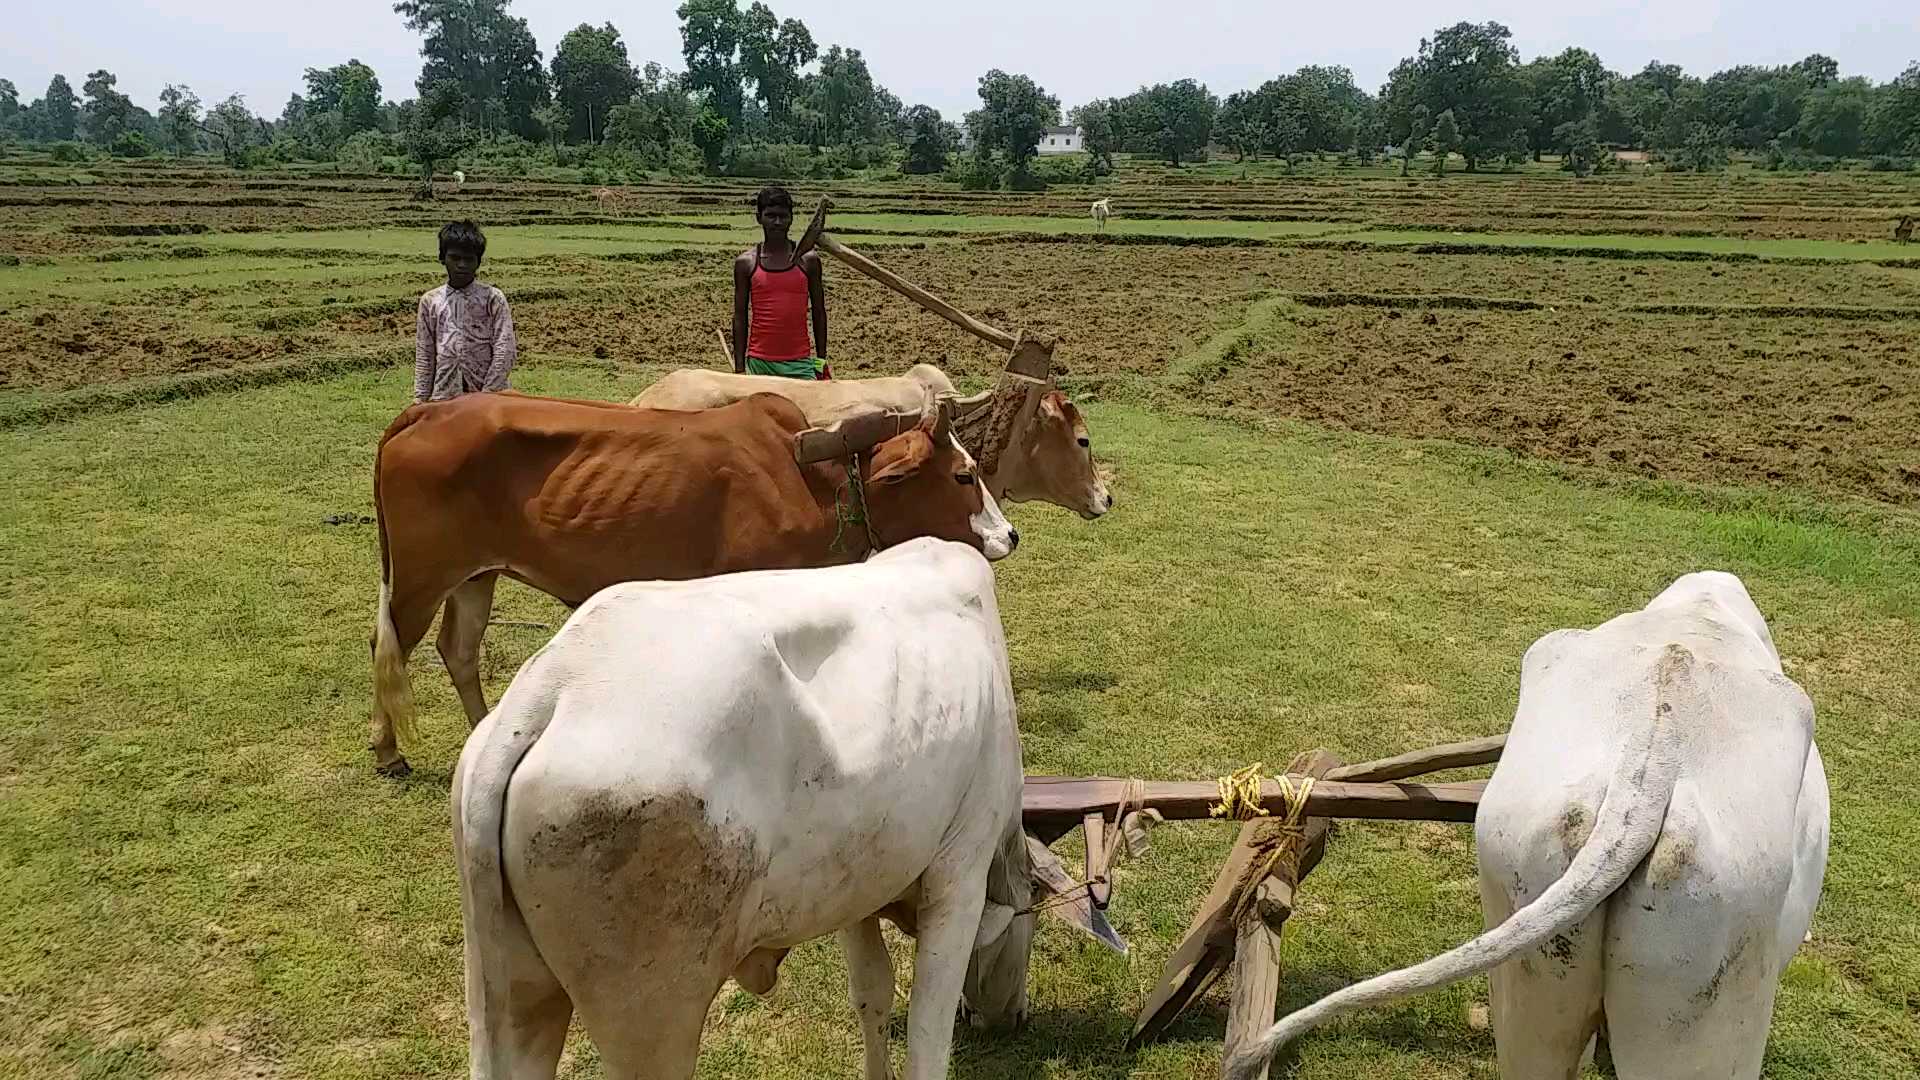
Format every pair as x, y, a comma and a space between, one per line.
425, 346
742, 287
506, 347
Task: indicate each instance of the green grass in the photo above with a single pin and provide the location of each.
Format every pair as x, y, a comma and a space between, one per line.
196, 853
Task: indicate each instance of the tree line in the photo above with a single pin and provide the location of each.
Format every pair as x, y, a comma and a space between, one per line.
757, 95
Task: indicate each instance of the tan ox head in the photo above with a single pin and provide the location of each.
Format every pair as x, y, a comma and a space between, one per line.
1033, 446
916, 483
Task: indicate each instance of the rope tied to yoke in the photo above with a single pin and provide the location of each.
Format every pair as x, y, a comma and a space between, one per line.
1240, 797
852, 511
1127, 831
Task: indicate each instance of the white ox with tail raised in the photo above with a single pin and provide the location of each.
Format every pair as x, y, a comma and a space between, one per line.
1651, 849
693, 777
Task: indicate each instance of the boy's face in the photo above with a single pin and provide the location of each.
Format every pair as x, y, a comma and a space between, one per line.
461, 267
776, 220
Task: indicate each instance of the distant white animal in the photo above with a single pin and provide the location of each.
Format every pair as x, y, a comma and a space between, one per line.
459, 178
1101, 210
694, 776
1651, 849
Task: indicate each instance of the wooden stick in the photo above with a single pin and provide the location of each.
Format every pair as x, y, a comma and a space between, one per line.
1053, 805
1256, 942
1458, 755
989, 334
1099, 888
725, 349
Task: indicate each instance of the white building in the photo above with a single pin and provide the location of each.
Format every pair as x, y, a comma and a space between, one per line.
1060, 140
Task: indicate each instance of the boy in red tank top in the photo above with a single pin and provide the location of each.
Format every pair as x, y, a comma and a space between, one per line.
773, 297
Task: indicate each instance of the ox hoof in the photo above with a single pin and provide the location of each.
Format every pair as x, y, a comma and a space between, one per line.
397, 768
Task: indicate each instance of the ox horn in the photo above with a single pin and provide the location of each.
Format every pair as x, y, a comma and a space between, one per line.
850, 435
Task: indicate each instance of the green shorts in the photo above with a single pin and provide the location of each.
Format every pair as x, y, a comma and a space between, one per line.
809, 368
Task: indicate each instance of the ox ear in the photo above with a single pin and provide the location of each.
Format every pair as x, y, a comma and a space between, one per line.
900, 457
994, 920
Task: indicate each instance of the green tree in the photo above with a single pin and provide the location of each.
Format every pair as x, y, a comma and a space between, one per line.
1656, 106
772, 53
1097, 133
1446, 140
591, 74
108, 113
488, 53
179, 118
844, 98
1578, 142
1414, 138
435, 132
1182, 118
11, 114
1563, 89
1893, 122
351, 90
234, 127
61, 110
1833, 118
927, 145
1014, 112
1473, 71
710, 32
1237, 125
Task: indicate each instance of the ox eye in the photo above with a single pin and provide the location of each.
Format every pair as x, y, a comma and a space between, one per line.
1084, 442
963, 478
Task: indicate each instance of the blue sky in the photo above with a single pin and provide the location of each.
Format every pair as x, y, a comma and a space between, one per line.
933, 53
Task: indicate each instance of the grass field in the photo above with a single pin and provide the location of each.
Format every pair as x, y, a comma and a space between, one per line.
1355, 481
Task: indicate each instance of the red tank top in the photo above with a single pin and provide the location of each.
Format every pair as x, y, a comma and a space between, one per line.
778, 308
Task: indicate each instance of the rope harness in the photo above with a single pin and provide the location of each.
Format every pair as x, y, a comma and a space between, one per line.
852, 511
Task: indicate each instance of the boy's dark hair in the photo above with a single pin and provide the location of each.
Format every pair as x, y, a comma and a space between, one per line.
772, 195
462, 236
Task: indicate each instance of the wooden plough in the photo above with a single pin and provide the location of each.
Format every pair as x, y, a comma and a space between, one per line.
1238, 925
985, 421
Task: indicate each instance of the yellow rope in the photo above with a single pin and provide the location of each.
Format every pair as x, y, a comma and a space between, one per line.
1240, 794
1240, 797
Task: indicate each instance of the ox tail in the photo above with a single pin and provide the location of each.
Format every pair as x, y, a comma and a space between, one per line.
1625, 829
499, 948
392, 692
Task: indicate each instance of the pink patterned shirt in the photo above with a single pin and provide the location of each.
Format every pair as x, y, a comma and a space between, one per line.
464, 343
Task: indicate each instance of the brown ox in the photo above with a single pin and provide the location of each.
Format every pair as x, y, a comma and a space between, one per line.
1031, 442
573, 496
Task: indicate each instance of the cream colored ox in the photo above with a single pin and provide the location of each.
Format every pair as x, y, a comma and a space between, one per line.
1651, 850
693, 777
1031, 443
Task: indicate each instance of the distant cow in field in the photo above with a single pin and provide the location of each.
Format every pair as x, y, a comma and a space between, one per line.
609, 199
1651, 849
1101, 211
1903, 232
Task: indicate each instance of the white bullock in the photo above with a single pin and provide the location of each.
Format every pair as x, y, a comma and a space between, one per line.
1101, 211
693, 777
459, 178
1651, 849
